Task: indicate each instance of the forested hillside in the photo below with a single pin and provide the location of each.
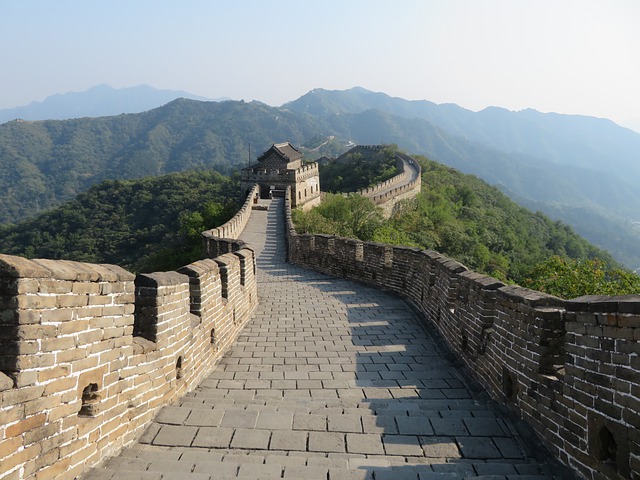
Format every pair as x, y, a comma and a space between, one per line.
43, 164
464, 218
151, 224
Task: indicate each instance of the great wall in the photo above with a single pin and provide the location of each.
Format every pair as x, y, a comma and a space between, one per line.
91, 353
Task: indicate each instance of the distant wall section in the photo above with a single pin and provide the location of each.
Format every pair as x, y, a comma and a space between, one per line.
224, 239
406, 184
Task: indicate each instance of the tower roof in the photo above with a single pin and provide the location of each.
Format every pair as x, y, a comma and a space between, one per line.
286, 151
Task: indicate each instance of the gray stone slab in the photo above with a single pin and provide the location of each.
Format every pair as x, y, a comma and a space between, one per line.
172, 415
204, 418
342, 474
326, 442
251, 439
509, 447
99, 474
440, 447
365, 443
283, 459
306, 473
186, 476
478, 447
173, 435
396, 473
484, 427
288, 440
493, 468
127, 475
239, 419
123, 463
170, 466
449, 426
260, 471
213, 437
303, 421
414, 425
344, 423
275, 420
217, 469
405, 445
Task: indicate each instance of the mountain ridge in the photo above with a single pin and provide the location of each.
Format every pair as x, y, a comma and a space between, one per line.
97, 101
44, 163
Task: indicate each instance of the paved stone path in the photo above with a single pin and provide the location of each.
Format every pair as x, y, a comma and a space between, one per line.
330, 380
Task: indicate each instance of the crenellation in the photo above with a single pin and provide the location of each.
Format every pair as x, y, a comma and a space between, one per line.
76, 384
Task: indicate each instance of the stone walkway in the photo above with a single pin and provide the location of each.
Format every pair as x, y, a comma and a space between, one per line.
330, 380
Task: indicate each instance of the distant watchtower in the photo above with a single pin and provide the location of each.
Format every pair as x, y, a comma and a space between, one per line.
280, 167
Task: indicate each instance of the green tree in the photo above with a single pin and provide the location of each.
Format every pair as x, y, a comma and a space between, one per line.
567, 278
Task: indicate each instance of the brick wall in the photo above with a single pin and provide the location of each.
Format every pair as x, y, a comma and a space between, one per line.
89, 353
404, 185
224, 239
571, 369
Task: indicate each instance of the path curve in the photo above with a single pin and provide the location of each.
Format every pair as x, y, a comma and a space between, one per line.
330, 380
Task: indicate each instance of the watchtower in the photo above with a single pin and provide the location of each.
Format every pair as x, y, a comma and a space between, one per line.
282, 166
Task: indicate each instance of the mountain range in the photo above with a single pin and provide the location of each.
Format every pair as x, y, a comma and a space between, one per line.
581, 170
98, 101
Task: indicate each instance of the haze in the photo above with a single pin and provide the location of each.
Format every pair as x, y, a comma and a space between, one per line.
575, 57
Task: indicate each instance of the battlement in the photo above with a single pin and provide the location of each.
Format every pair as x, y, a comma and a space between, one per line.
91, 352
570, 369
224, 239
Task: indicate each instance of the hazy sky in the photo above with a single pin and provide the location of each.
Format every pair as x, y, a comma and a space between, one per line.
567, 56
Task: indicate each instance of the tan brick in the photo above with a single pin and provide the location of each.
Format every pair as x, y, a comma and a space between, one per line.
66, 356
38, 434
47, 285
54, 372
56, 441
89, 337
26, 378
54, 471
89, 312
65, 409
28, 317
85, 364
47, 458
74, 446
99, 300
86, 288
41, 404
36, 301
21, 395
27, 285
11, 413
66, 301
37, 332
87, 455
25, 424
76, 326
9, 447
57, 344
21, 457
57, 315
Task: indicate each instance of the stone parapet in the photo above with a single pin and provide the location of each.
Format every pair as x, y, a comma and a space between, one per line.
570, 369
90, 353
224, 239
